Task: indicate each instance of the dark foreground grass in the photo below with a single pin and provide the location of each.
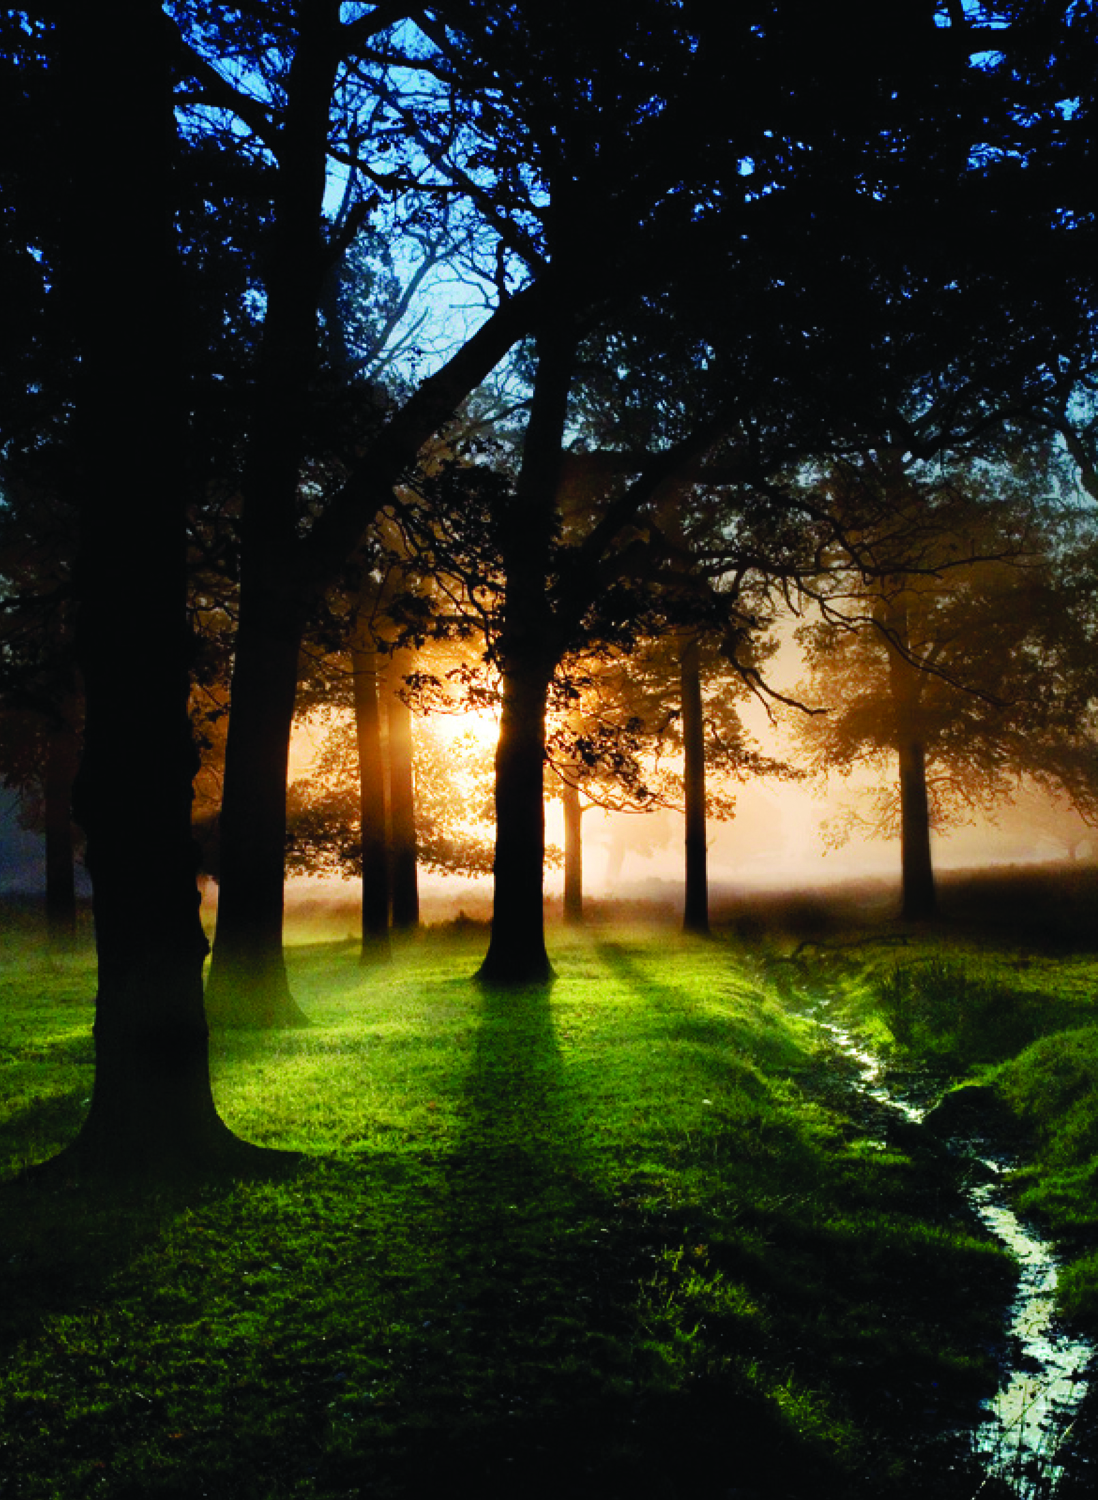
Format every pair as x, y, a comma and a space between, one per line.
604, 1240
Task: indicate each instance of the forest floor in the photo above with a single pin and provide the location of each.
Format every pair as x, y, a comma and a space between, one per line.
615, 1238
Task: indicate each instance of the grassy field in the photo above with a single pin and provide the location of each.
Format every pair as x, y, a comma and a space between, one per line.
608, 1240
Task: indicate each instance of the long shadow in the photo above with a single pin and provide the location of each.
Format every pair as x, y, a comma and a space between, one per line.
515, 1124
465, 1319
717, 1036
62, 1242
542, 1275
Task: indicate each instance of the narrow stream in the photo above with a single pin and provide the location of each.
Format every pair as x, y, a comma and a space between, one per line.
1025, 1424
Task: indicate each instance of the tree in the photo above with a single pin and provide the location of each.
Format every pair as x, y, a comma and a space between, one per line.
482, 162
402, 807
551, 131
371, 780
937, 646
152, 1108
41, 700
40, 695
676, 697
361, 673
547, 594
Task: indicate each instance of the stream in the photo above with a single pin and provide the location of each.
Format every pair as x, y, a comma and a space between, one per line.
1021, 1435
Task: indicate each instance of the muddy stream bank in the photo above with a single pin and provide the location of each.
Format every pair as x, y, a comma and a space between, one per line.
1036, 1437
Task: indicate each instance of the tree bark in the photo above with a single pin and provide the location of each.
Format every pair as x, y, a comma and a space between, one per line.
528, 652
573, 854
402, 812
696, 900
517, 953
248, 983
152, 1107
919, 896
371, 783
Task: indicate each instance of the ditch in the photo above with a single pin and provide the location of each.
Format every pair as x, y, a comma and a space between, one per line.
1026, 1441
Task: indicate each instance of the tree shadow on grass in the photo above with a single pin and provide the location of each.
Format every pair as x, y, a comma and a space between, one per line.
456, 1315
547, 1381
718, 1036
63, 1240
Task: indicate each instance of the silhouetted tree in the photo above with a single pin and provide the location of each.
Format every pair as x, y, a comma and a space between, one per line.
152, 1107
404, 840
313, 82
938, 644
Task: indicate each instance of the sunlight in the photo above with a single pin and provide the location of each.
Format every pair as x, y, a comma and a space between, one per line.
479, 728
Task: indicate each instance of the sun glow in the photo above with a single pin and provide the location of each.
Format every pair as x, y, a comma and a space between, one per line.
479, 728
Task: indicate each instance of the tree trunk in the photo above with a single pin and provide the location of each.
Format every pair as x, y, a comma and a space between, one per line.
62, 759
696, 902
919, 900
573, 854
152, 1107
918, 896
517, 952
529, 650
371, 784
402, 812
248, 983
293, 570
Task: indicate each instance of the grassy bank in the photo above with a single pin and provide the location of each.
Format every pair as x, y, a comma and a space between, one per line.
610, 1240
1004, 993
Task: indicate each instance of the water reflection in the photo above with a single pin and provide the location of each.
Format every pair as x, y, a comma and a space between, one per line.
1029, 1416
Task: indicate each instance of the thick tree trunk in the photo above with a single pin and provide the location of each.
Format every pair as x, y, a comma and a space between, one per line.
529, 651
919, 899
696, 901
62, 759
573, 854
371, 785
152, 1108
248, 985
517, 952
402, 813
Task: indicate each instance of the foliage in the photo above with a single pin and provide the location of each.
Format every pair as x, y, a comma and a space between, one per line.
617, 725
955, 616
453, 805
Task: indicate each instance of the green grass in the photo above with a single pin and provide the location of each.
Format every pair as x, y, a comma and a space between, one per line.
604, 1240
972, 1007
